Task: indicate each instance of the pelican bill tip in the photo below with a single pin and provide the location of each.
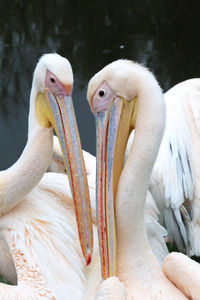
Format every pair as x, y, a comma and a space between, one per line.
89, 257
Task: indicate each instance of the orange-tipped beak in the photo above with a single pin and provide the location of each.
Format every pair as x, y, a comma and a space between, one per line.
67, 132
106, 138
56, 107
113, 117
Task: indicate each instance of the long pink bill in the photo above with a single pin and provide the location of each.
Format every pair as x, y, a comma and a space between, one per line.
67, 131
106, 131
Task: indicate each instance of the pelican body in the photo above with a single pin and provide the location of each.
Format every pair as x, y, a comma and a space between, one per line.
123, 96
175, 179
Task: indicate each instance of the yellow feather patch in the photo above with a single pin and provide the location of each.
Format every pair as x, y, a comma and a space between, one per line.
43, 111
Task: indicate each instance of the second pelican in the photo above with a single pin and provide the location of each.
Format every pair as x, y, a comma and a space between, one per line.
123, 96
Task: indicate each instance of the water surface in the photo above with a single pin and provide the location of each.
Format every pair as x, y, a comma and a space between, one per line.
163, 35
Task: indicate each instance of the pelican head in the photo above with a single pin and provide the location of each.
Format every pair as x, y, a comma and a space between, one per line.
51, 102
113, 95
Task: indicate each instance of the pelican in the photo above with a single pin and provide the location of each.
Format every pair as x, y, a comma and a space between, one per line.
39, 248
123, 96
174, 182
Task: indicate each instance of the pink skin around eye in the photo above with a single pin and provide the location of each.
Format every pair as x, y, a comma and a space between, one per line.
53, 84
101, 103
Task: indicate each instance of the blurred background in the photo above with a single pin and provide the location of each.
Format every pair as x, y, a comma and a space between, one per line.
163, 35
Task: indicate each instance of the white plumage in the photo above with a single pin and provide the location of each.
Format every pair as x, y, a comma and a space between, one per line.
137, 268
39, 243
42, 230
175, 179
155, 232
174, 183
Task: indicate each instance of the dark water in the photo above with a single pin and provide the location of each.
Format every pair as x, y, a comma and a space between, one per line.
163, 35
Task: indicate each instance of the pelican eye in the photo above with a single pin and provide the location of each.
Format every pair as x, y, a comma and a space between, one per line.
52, 79
102, 93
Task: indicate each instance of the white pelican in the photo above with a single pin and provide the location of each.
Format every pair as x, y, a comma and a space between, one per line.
174, 182
124, 96
39, 249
